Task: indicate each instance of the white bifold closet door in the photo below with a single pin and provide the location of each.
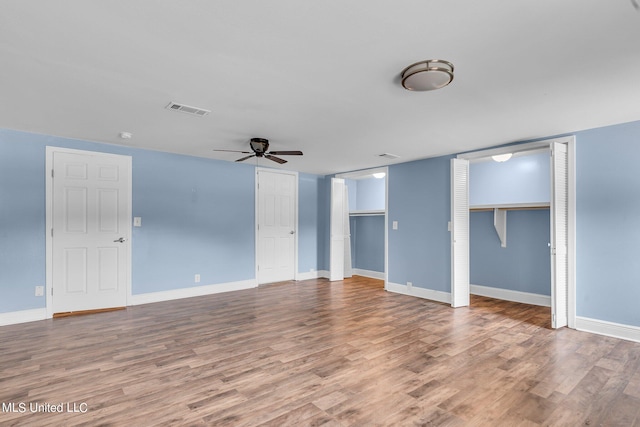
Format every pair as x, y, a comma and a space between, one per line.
460, 233
337, 246
559, 235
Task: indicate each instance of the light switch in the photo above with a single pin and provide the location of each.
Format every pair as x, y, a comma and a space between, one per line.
137, 221
394, 225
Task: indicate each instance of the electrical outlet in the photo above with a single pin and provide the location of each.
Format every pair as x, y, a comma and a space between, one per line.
394, 225
409, 286
197, 278
39, 291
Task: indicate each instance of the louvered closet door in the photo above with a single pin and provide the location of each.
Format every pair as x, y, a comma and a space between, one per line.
337, 246
460, 233
559, 235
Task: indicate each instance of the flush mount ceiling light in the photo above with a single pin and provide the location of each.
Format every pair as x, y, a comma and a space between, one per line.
502, 157
427, 75
379, 175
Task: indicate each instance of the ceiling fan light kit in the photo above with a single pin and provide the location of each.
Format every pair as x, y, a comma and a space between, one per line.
427, 75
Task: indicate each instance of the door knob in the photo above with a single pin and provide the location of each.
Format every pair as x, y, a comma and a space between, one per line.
121, 240
292, 232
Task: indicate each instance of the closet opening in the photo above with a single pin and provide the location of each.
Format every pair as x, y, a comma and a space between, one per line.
362, 221
509, 233
538, 218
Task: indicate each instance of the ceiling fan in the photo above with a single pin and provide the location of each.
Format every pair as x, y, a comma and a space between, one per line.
259, 146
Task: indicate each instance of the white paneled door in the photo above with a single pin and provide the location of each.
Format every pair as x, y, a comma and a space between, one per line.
277, 207
90, 235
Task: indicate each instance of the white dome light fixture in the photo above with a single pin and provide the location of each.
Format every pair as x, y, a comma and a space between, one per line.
427, 75
502, 157
379, 175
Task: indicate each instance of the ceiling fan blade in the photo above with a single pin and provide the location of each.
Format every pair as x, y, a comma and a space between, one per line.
245, 158
235, 151
275, 159
286, 153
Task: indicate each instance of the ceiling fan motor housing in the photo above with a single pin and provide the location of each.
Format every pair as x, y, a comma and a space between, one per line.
259, 146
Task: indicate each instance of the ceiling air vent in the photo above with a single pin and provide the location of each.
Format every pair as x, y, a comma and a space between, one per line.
388, 156
187, 109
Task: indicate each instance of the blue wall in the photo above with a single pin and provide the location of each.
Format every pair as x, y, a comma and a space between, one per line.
608, 220
524, 265
608, 224
197, 217
522, 179
367, 233
419, 199
22, 223
366, 194
371, 194
310, 226
367, 242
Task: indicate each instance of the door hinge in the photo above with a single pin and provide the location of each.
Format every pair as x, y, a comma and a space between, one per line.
52, 232
51, 291
51, 173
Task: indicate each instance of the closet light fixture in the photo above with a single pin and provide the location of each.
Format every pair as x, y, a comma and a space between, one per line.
502, 157
379, 175
427, 75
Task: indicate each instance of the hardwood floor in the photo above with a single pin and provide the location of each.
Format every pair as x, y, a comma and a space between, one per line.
317, 353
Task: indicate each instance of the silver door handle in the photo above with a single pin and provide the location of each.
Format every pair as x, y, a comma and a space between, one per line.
120, 240
292, 232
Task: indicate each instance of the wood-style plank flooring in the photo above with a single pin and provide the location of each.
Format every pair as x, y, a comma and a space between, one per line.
317, 353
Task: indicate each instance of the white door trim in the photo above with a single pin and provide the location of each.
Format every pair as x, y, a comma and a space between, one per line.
257, 219
49, 221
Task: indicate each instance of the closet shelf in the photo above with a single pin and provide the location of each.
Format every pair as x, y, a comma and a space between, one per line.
500, 215
510, 206
367, 212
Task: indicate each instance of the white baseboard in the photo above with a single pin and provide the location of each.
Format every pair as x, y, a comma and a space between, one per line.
194, 291
368, 273
414, 291
324, 274
509, 295
308, 275
23, 316
610, 329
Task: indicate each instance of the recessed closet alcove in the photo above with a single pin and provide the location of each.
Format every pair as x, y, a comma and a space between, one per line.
509, 223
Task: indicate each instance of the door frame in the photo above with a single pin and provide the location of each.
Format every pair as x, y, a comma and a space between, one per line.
50, 150
257, 219
369, 172
571, 205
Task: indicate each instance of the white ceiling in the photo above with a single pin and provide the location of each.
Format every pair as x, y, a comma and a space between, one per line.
318, 76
